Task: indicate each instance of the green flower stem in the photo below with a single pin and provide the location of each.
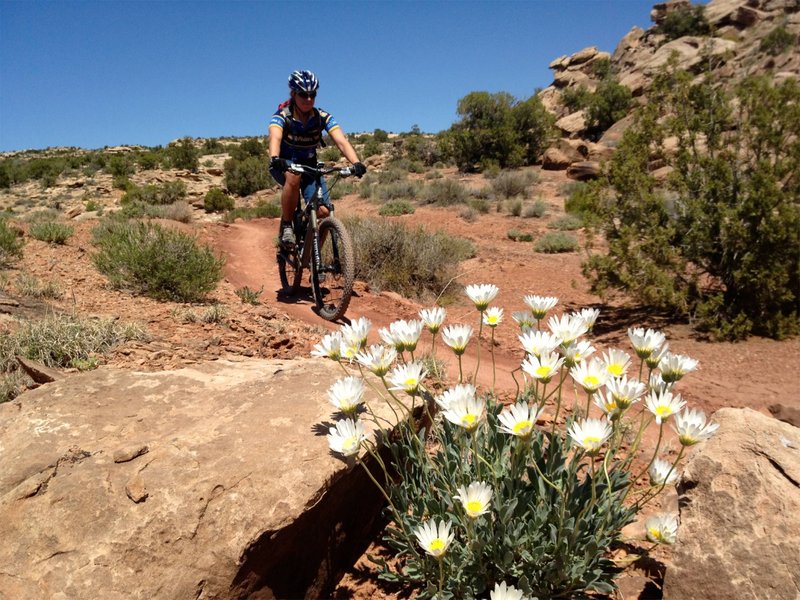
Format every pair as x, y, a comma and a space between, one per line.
433, 356
480, 332
650, 494
560, 390
515, 381
460, 370
655, 453
588, 402
494, 372
441, 575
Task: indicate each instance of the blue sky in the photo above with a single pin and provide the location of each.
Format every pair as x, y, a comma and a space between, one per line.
91, 74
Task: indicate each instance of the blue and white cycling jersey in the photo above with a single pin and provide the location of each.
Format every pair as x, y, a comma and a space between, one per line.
300, 140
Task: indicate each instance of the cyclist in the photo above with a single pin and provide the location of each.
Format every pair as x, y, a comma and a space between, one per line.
295, 132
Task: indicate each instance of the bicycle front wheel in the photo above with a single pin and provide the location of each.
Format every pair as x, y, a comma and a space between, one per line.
290, 271
332, 280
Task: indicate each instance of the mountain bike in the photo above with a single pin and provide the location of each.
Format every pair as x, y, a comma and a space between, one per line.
323, 246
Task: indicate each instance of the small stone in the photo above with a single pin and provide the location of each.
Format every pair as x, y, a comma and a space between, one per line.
128, 454
136, 490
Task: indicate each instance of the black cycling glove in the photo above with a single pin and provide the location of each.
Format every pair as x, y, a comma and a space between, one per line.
280, 164
359, 169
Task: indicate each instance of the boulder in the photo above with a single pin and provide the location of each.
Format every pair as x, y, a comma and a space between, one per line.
573, 123
691, 52
584, 170
660, 11
582, 56
571, 78
739, 500
563, 153
207, 482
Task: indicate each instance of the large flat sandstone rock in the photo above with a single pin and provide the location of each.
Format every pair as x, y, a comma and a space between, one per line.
739, 534
209, 482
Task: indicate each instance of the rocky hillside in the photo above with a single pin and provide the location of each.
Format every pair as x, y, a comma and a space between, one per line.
745, 37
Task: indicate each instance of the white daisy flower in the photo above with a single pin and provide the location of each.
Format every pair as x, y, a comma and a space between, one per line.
524, 319
434, 539
675, 366
645, 341
433, 318
590, 376
655, 358
692, 428
590, 434
391, 339
625, 391
539, 343
616, 362
589, 315
377, 359
608, 404
347, 393
519, 419
542, 368
662, 472
663, 405
539, 305
355, 334
457, 337
656, 385
459, 393
407, 377
567, 327
576, 352
475, 498
493, 316
346, 437
502, 591
481, 294
329, 347
662, 529
465, 411
406, 333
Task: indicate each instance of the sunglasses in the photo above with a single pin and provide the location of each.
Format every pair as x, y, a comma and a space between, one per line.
307, 95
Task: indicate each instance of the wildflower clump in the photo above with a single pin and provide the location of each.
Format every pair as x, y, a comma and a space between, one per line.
523, 499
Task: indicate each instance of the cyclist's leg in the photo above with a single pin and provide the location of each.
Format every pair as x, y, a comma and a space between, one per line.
289, 197
310, 188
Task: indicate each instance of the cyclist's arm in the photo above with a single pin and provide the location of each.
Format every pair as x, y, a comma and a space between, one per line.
275, 137
341, 141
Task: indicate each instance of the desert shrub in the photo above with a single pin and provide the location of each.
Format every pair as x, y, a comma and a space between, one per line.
330, 154
380, 136
262, 210
395, 208
248, 296
249, 148
479, 205
157, 262
341, 188
12, 384
59, 340
580, 200
216, 313
412, 262
688, 20
469, 214
519, 236
212, 146
92, 206
726, 247
11, 243
575, 98
434, 174
245, 177
365, 187
444, 192
51, 232
29, 286
567, 223
555, 242
121, 166
778, 41
177, 211
514, 207
216, 200
183, 155
610, 103
392, 175
371, 148
536, 210
509, 184
398, 190
163, 194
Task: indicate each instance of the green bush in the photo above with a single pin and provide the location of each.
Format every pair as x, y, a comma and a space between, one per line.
688, 20
479, 205
250, 148
567, 223
395, 208
515, 207
177, 211
444, 192
398, 190
51, 232
392, 175
412, 262
555, 242
778, 41
262, 210
164, 194
28, 286
121, 166
216, 200
11, 243
183, 155
536, 210
245, 177
248, 296
340, 189
725, 248
575, 98
581, 199
610, 103
380, 136
371, 148
151, 260
496, 127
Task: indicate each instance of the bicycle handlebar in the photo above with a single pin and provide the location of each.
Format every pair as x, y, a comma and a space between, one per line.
318, 172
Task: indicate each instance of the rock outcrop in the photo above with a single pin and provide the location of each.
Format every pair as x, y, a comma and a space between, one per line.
739, 496
209, 482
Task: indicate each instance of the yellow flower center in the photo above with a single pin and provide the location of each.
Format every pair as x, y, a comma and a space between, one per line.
591, 380
350, 444
474, 506
410, 382
663, 410
615, 370
522, 427
543, 371
468, 419
656, 534
590, 440
437, 545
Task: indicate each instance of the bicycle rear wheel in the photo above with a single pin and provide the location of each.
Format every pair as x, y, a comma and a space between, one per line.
333, 282
289, 270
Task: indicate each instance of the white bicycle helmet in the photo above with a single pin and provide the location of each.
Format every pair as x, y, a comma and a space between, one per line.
303, 81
